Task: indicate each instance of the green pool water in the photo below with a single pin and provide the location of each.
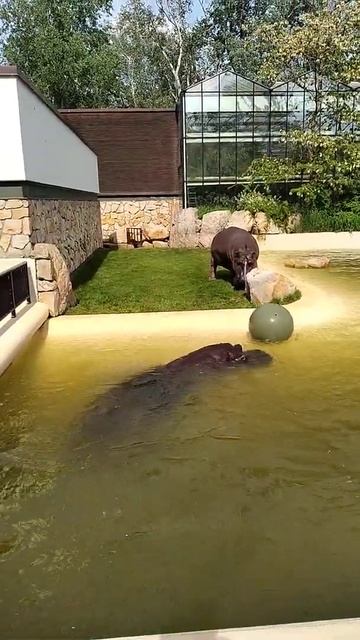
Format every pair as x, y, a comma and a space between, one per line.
240, 506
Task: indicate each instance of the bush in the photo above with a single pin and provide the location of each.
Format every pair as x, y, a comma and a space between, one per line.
346, 218
275, 209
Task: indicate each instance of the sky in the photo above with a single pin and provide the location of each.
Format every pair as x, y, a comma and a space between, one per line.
196, 12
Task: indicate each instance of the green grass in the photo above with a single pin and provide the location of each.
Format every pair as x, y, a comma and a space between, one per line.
152, 280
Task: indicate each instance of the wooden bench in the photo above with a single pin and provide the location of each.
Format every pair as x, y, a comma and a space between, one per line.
135, 236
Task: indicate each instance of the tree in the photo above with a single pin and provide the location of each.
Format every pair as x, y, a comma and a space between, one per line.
160, 52
64, 48
325, 44
232, 29
141, 73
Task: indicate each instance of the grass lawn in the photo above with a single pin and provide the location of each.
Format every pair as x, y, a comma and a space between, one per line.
152, 280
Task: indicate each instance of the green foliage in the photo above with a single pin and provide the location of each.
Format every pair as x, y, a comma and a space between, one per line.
217, 203
344, 217
275, 209
328, 166
293, 297
64, 48
325, 42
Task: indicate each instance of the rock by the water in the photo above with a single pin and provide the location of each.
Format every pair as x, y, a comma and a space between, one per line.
212, 223
271, 323
266, 286
314, 262
183, 229
242, 219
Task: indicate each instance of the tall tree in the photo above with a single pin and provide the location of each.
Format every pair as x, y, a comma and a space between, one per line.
142, 78
229, 26
64, 48
160, 52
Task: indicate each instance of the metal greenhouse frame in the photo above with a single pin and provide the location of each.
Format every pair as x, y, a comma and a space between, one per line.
229, 120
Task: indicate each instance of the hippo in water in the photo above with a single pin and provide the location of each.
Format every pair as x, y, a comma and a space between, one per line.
141, 400
236, 250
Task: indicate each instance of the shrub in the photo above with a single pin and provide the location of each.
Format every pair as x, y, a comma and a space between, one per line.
344, 217
275, 209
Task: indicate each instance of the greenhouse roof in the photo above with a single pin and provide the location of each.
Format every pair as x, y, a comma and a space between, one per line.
230, 82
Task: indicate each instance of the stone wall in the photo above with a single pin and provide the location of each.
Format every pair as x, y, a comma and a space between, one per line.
59, 234
152, 215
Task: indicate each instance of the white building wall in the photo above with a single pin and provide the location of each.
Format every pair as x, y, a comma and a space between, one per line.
53, 153
11, 155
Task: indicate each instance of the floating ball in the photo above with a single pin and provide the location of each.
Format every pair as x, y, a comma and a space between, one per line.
271, 323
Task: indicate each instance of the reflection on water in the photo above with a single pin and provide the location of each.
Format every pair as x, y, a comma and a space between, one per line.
241, 506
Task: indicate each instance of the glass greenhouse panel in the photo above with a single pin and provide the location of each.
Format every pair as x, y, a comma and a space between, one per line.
211, 85
228, 83
244, 122
228, 103
211, 161
261, 103
193, 103
194, 161
245, 103
245, 156
228, 160
211, 102
194, 125
228, 123
211, 123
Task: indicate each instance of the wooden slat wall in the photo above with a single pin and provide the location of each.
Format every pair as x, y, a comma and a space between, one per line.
138, 149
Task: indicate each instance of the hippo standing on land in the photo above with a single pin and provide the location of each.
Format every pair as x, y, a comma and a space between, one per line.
236, 250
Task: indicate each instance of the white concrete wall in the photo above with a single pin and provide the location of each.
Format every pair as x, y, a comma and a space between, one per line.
53, 153
36, 145
11, 156
326, 241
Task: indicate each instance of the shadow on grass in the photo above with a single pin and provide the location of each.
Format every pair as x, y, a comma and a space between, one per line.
224, 274
88, 269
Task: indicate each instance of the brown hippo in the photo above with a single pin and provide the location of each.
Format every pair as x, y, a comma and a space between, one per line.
140, 401
236, 250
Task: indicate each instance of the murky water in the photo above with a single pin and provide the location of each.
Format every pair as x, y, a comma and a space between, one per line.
241, 506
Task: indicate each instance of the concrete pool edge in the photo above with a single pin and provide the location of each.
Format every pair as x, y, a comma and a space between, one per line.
315, 308
346, 629
16, 336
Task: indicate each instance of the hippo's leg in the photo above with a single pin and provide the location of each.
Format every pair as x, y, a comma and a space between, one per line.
213, 267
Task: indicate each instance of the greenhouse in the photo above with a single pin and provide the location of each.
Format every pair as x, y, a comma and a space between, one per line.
229, 120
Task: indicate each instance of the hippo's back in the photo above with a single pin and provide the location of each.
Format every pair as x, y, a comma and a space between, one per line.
232, 238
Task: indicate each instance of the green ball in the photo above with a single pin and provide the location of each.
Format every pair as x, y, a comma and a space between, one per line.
271, 323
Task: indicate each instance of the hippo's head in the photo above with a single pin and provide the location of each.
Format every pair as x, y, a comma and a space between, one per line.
235, 353
243, 262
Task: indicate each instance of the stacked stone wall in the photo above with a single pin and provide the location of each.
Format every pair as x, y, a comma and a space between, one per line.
59, 234
152, 215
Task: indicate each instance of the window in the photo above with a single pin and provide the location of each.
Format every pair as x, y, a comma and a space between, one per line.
211, 161
194, 161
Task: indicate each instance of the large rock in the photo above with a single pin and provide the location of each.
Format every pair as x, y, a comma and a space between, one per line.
183, 229
241, 219
156, 231
59, 295
264, 225
160, 244
314, 262
257, 223
212, 223
266, 286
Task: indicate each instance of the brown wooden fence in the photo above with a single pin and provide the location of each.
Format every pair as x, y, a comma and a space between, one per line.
138, 149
